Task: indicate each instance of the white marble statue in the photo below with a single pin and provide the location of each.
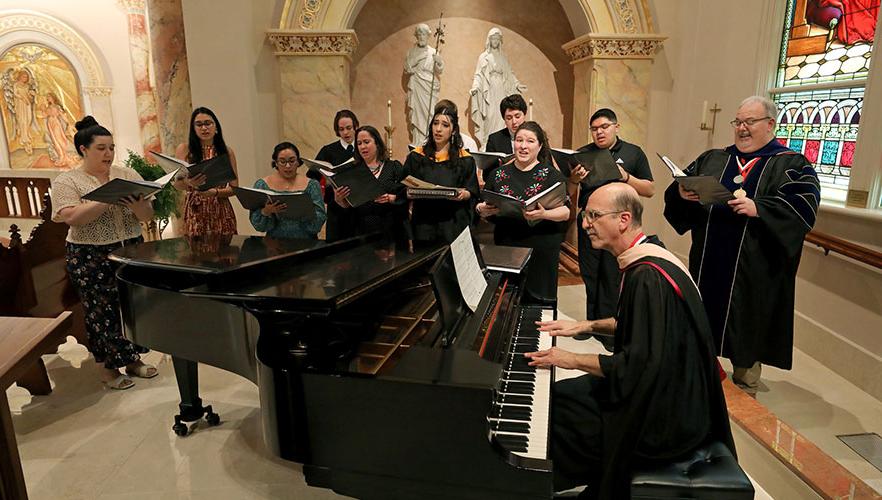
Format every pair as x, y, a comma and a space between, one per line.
494, 80
424, 66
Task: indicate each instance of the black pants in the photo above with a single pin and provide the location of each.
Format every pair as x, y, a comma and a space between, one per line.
601, 275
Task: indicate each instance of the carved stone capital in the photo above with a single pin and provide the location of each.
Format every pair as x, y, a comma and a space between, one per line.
620, 46
313, 43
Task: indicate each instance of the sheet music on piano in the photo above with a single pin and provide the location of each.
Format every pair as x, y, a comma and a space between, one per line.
472, 282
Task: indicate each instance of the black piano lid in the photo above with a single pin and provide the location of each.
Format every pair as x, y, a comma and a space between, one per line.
212, 254
330, 279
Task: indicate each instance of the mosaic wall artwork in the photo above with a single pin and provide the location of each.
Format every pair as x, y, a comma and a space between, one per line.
40, 100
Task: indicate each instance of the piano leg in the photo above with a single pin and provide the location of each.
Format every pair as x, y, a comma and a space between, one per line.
187, 375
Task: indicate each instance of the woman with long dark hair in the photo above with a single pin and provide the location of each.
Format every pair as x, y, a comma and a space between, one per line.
210, 211
528, 174
386, 214
285, 179
442, 161
96, 230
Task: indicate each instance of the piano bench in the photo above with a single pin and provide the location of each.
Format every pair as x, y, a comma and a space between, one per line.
710, 472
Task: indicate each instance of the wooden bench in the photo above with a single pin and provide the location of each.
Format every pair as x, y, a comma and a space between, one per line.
22, 342
34, 283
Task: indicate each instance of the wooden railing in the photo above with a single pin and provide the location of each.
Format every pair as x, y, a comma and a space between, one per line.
846, 248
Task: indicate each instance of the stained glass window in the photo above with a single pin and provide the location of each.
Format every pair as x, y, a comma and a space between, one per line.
823, 126
826, 41
824, 60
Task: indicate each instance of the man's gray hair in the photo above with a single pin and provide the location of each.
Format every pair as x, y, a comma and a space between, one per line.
767, 104
627, 200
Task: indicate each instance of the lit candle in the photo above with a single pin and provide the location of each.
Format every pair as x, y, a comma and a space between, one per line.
389, 112
704, 113
531, 109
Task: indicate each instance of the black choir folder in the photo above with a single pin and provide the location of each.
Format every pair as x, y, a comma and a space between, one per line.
299, 204
485, 160
218, 170
708, 188
117, 189
420, 189
363, 186
599, 163
505, 259
509, 206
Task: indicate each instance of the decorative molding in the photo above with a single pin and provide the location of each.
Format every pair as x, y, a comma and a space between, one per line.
593, 46
623, 12
309, 13
313, 43
98, 91
66, 35
133, 6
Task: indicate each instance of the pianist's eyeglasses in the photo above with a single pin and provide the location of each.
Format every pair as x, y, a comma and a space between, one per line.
592, 215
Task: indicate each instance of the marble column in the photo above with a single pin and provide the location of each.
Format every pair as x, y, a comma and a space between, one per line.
100, 105
612, 71
139, 49
314, 83
171, 72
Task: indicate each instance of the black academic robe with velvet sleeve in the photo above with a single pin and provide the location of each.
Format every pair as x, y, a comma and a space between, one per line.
744, 266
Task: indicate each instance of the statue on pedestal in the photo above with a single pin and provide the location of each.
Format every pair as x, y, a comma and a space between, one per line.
494, 80
424, 66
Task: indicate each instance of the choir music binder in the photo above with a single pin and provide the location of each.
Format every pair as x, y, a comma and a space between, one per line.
506, 259
600, 164
420, 189
117, 189
299, 204
363, 186
218, 170
708, 188
485, 160
509, 206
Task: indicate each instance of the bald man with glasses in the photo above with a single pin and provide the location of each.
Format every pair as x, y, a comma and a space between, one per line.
745, 253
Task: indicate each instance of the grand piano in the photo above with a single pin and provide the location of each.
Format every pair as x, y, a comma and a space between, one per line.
371, 370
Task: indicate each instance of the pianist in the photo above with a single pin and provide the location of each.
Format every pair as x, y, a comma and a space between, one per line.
658, 396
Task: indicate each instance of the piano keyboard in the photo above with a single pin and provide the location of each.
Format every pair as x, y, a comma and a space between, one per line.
519, 419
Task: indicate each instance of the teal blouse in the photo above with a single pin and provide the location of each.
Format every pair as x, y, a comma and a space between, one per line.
283, 227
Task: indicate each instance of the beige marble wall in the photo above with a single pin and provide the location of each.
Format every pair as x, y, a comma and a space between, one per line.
171, 71
313, 89
622, 85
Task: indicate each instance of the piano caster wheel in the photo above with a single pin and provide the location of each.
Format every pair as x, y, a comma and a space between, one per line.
212, 418
181, 429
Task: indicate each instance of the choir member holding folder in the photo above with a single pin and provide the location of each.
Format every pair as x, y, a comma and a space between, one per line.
206, 211
336, 153
387, 213
273, 217
541, 229
442, 161
96, 230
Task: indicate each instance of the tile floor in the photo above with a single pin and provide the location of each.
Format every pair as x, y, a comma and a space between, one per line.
86, 442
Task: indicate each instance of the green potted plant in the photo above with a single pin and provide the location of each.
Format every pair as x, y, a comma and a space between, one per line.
165, 202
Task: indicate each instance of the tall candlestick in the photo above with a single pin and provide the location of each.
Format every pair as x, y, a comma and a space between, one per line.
531, 109
389, 112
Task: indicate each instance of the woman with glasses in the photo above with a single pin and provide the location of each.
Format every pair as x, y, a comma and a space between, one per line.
210, 211
442, 161
388, 213
530, 173
285, 179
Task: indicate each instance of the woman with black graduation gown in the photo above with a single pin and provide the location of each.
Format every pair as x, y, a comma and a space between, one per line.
387, 214
442, 161
530, 173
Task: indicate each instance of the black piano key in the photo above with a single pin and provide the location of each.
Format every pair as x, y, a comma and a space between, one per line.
510, 413
520, 364
512, 440
518, 387
518, 376
515, 400
522, 348
510, 426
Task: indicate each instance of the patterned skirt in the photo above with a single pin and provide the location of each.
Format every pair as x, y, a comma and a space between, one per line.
94, 278
208, 215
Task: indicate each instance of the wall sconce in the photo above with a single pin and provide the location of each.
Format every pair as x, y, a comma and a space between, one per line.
714, 110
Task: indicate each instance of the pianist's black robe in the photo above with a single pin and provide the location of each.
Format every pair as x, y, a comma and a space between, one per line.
340, 223
660, 397
744, 266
